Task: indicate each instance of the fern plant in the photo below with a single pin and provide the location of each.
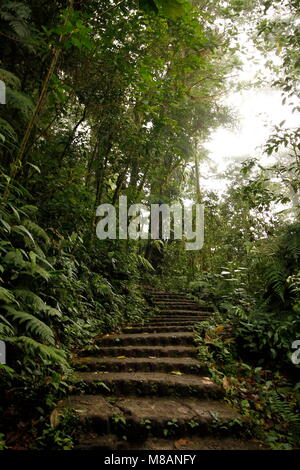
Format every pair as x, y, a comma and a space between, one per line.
26, 319
16, 16
277, 259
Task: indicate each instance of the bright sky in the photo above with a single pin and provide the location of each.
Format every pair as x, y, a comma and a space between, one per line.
258, 111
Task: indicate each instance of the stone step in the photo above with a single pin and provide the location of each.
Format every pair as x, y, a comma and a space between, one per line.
157, 292
157, 329
189, 323
176, 300
196, 304
147, 384
141, 351
171, 299
184, 338
185, 365
94, 442
169, 317
182, 312
179, 316
179, 306
140, 417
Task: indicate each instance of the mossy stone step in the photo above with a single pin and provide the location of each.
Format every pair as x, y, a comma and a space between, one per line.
140, 351
147, 384
139, 417
183, 313
146, 381
184, 338
185, 365
179, 317
162, 322
94, 442
177, 306
176, 301
157, 329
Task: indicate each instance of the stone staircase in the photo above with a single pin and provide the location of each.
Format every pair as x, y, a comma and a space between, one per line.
145, 389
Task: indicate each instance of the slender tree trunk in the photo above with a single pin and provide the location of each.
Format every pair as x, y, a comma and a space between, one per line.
56, 54
71, 138
120, 182
197, 175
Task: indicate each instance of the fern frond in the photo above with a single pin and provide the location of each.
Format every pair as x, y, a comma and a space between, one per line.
142, 262
8, 132
7, 296
14, 258
6, 331
20, 102
31, 299
32, 324
158, 244
35, 302
53, 312
28, 210
36, 230
20, 28
20, 9
276, 277
6, 322
16, 15
284, 410
42, 272
10, 79
45, 352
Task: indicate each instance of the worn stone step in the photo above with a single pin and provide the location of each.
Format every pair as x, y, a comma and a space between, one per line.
141, 417
141, 351
147, 384
179, 306
182, 313
162, 300
176, 318
167, 323
176, 301
157, 329
185, 365
179, 316
166, 318
166, 294
94, 442
185, 338
155, 292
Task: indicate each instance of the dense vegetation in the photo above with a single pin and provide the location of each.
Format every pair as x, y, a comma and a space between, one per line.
107, 98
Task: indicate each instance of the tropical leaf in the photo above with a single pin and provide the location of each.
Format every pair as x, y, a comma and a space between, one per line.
10, 80
32, 324
20, 102
7, 295
46, 352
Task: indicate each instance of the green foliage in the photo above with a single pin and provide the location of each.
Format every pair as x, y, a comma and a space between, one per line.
125, 95
16, 15
20, 103
61, 436
2, 442
24, 267
268, 402
170, 9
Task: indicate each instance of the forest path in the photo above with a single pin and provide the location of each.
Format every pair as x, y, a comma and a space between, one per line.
145, 388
